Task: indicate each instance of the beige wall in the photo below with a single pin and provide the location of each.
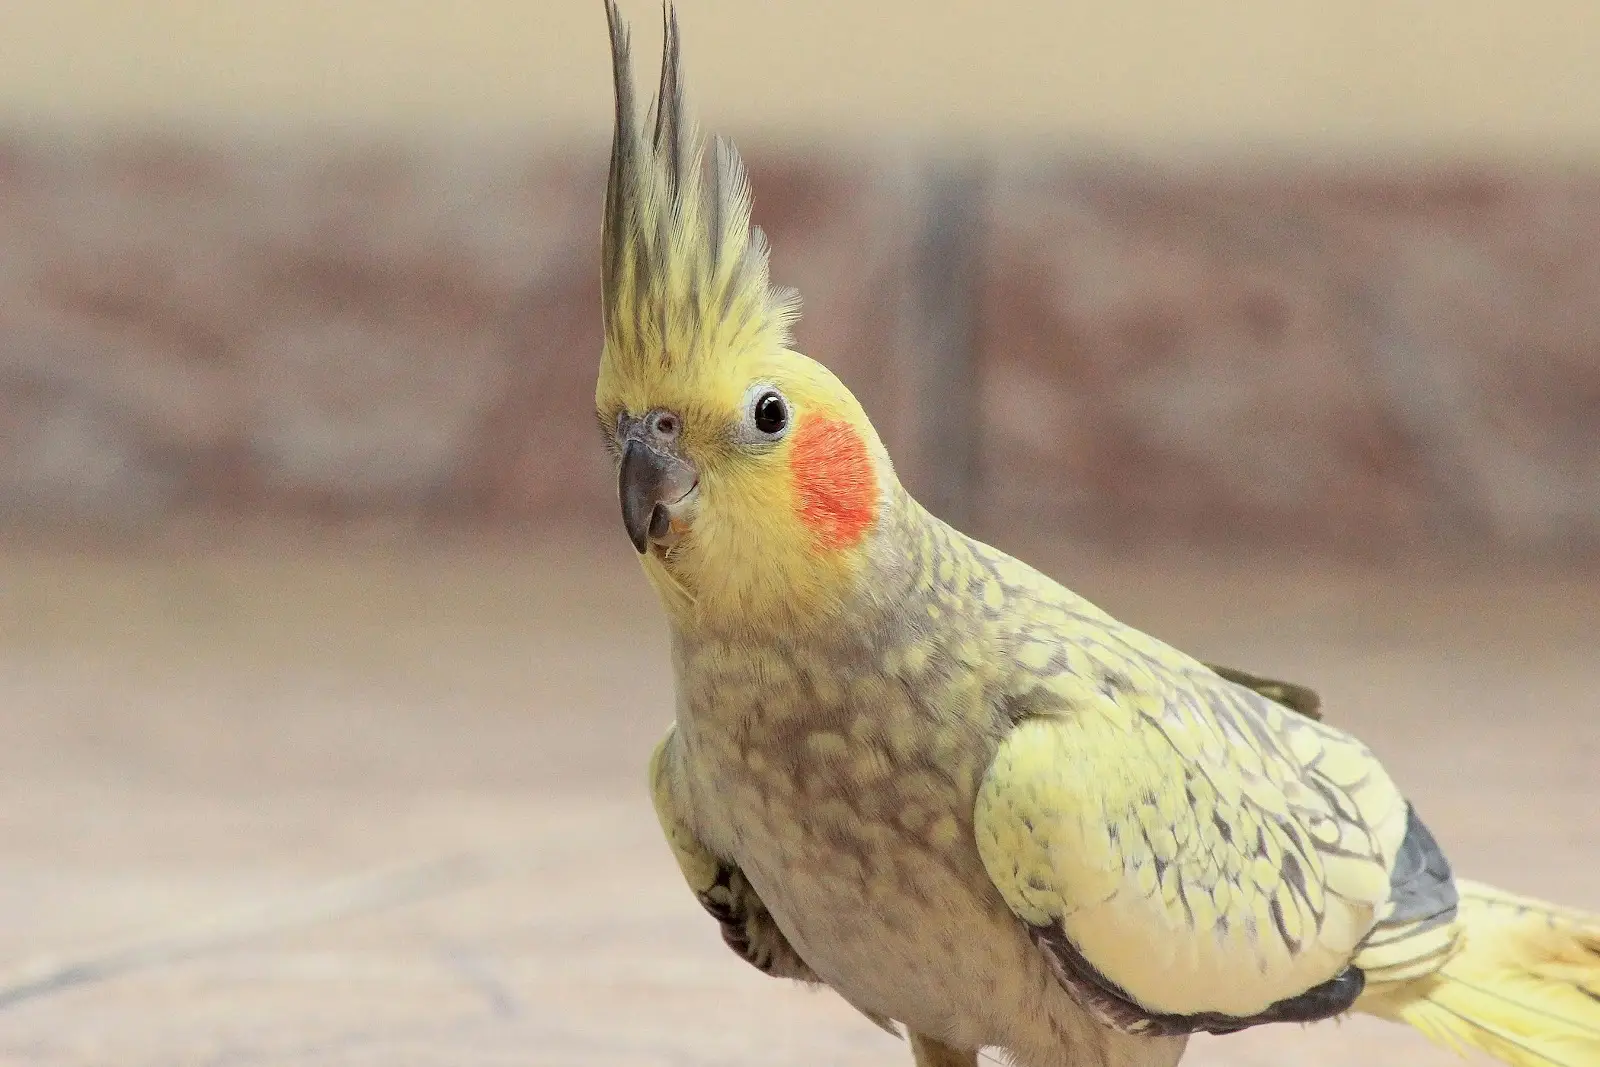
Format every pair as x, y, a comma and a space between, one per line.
1430, 72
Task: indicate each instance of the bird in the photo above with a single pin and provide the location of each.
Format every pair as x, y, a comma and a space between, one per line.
914, 770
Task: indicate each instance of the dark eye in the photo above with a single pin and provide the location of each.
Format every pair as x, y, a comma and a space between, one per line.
771, 413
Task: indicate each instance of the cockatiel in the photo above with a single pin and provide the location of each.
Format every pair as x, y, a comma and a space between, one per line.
917, 771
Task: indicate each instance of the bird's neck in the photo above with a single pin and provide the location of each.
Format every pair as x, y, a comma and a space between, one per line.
915, 580
914, 642
749, 595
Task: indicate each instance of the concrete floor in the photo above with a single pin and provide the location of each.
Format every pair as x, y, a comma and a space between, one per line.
185, 733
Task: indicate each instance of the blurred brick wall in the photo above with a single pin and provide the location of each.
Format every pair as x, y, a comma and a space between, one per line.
1337, 359
1401, 355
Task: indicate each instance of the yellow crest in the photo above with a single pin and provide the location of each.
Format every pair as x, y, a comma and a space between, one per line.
683, 272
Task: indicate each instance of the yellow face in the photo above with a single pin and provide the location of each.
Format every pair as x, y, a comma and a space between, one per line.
744, 485
749, 478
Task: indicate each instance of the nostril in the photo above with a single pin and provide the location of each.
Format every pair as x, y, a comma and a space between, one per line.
667, 425
660, 522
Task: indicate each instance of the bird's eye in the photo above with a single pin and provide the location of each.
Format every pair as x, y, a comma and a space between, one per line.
771, 413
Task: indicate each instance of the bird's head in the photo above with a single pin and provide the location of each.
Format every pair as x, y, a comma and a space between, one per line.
749, 477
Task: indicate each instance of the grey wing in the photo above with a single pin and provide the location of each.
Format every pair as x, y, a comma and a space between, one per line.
1417, 930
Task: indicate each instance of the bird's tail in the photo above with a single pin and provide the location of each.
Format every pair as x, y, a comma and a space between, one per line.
1523, 985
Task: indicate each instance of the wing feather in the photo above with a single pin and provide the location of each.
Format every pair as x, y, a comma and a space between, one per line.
1191, 851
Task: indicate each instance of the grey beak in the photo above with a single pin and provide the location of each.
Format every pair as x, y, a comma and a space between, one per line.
647, 482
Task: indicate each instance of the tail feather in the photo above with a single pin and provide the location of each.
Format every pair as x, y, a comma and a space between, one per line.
1480, 899
1524, 986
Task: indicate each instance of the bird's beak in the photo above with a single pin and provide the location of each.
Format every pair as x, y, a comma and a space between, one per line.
654, 488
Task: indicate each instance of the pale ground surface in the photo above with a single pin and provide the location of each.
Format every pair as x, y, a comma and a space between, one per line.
182, 734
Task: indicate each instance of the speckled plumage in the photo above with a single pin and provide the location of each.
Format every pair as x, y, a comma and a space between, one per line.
915, 770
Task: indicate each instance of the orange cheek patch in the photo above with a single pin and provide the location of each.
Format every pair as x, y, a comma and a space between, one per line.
836, 493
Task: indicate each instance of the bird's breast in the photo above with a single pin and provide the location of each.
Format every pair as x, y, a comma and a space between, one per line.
880, 891
847, 802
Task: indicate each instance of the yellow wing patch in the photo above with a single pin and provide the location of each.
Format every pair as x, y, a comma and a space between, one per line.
1206, 851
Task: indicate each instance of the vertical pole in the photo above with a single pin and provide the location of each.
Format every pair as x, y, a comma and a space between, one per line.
944, 365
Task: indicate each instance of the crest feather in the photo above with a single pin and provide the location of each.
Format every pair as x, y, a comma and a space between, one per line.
684, 275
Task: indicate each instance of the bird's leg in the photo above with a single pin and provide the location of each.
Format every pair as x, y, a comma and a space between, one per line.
930, 1053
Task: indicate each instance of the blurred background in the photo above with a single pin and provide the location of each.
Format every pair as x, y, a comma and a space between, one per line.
326, 675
